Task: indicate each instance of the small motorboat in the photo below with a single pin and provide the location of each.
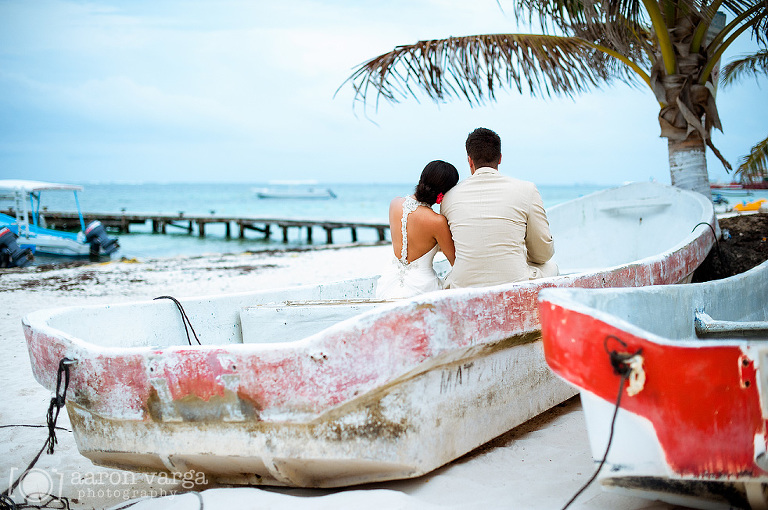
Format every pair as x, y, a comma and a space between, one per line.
27, 223
294, 190
322, 385
692, 427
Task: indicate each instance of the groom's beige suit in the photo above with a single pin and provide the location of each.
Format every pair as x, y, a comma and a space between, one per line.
500, 230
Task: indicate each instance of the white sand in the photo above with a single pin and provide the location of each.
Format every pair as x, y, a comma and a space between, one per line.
540, 464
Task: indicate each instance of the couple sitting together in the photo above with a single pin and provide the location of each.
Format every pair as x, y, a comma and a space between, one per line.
492, 228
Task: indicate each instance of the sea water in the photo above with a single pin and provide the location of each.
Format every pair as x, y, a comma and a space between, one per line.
367, 203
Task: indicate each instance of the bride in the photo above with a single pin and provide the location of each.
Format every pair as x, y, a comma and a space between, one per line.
417, 233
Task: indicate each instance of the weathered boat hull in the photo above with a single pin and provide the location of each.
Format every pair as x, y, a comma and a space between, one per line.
321, 386
695, 433
385, 433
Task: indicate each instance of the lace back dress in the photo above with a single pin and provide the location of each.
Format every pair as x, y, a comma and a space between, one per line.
406, 279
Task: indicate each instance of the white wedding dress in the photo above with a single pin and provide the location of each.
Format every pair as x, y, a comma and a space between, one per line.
405, 279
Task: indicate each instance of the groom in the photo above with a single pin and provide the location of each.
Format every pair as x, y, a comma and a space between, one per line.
498, 223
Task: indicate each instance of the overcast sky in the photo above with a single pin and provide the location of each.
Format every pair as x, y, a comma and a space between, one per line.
243, 91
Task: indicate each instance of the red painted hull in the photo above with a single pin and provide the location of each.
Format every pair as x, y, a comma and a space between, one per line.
701, 397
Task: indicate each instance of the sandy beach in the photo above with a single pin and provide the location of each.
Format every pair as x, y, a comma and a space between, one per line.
538, 465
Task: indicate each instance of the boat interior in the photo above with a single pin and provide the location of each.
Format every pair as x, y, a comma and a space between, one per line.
734, 308
619, 226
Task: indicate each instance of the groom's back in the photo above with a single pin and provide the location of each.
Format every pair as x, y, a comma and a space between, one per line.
490, 215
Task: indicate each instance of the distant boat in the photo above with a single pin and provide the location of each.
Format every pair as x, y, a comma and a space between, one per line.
294, 190
322, 385
691, 429
726, 186
28, 222
756, 205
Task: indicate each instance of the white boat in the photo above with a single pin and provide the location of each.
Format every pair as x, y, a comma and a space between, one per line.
26, 197
692, 428
294, 190
323, 386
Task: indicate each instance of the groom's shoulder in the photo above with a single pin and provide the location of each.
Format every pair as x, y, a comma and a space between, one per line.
512, 182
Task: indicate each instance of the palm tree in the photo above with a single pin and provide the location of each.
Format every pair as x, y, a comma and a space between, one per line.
754, 166
673, 47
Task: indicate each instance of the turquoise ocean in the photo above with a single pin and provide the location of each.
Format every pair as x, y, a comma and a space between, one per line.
354, 202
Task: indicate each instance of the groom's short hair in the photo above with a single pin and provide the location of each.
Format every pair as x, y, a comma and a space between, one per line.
484, 148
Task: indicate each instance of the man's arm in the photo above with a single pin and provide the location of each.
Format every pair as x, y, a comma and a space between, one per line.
538, 239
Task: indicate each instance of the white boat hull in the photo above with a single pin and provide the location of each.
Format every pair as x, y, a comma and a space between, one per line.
53, 245
393, 392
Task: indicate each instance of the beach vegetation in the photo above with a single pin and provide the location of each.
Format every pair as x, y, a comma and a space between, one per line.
671, 48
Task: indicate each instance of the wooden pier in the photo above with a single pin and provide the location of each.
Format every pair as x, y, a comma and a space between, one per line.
121, 223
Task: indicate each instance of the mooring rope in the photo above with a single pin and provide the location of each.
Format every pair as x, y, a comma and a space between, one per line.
714, 234
621, 367
57, 402
184, 318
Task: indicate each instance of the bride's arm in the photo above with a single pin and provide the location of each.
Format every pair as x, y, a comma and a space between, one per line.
444, 238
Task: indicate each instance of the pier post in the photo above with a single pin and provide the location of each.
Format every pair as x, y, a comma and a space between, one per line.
354, 235
309, 234
285, 233
382, 235
228, 229
328, 235
200, 228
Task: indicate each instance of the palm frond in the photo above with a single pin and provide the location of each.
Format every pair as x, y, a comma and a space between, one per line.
760, 28
474, 67
580, 17
753, 65
754, 166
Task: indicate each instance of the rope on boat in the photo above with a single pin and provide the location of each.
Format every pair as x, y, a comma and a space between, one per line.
714, 234
57, 402
622, 363
184, 319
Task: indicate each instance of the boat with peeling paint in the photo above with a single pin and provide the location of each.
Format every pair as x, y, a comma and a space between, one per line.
322, 385
692, 425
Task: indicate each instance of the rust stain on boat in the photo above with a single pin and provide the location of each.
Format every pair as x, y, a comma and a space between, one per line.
191, 408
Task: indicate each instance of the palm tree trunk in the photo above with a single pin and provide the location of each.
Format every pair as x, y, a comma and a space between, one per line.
688, 165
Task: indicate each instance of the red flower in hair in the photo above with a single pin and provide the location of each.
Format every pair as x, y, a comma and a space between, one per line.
439, 198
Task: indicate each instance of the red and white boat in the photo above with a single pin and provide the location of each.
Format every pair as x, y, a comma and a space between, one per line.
692, 425
322, 386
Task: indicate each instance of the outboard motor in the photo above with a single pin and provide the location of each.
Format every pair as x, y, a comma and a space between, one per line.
96, 236
11, 254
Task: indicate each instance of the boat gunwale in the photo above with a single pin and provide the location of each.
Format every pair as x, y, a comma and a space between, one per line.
569, 298
38, 320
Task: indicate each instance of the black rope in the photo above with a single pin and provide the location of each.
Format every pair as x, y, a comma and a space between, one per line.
184, 319
57, 402
623, 369
714, 234
33, 427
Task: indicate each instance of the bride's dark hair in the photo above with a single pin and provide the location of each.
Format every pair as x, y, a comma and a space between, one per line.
437, 177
